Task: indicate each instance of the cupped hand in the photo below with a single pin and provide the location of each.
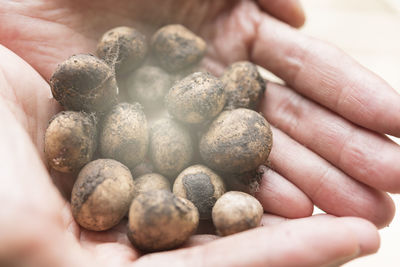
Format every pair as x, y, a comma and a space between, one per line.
329, 149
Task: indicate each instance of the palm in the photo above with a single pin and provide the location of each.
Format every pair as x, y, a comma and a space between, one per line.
44, 33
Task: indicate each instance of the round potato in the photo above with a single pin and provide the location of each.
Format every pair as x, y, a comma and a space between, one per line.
70, 140
158, 220
84, 82
237, 141
235, 212
102, 194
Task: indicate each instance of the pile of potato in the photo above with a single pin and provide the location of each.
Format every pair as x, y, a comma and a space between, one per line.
141, 117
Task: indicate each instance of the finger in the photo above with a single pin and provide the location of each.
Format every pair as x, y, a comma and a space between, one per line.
289, 11
328, 76
362, 154
291, 243
328, 187
279, 196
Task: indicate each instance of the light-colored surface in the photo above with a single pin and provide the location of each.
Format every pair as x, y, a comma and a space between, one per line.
368, 30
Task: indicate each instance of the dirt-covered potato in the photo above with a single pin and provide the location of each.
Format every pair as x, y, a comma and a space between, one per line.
176, 47
158, 220
151, 182
235, 212
149, 85
84, 82
243, 84
171, 147
196, 98
70, 140
237, 141
124, 48
124, 135
201, 186
102, 194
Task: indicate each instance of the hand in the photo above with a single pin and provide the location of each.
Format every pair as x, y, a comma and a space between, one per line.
37, 228
46, 32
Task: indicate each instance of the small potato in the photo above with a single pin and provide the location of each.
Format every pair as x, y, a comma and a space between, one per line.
125, 135
70, 140
235, 212
237, 141
149, 85
124, 48
151, 182
102, 194
171, 147
197, 98
158, 220
201, 186
84, 82
177, 48
243, 84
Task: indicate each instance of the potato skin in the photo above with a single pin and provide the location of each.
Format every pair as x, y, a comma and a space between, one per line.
125, 134
158, 220
243, 84
124, 48
70, 140
171, 147
176, 47
237, 141
151, 182
196, 98
84, 82
149, 85
235, 212
102, 194
201, 186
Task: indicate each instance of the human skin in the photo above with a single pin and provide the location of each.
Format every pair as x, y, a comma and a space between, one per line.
329, 120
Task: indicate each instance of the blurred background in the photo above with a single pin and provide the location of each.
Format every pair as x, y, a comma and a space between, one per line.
368, 30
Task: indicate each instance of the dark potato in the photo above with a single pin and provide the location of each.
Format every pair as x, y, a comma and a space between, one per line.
84, 82
235, 212
124, 48
70, 140
197, 98
243, 84
125, 135
237, 141
102, 194
158, 220
177, 48
201, 186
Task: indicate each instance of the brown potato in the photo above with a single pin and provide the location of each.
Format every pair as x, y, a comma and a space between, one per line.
158, 220
125, 135
149, 85
70, 140
201, 186
124, 48
197, 98
177, 48
235, 212
171, 147
237, 141
102, 194
243, 84
84, 82
151, 182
